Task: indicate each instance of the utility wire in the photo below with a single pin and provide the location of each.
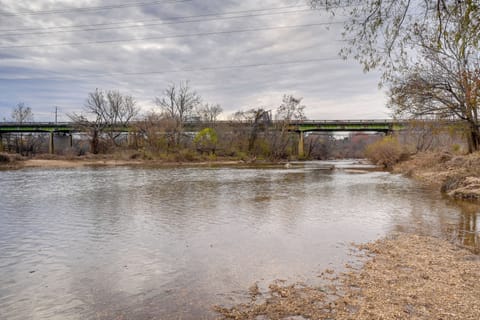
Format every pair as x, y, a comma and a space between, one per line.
174, 18
153, 20
206, 68
98, 8
218, 18
199, 34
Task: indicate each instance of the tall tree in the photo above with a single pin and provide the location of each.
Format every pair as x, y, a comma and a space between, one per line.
178, 103
290, 109
209, 112
22, 113
108, 112
259, 118
427, 50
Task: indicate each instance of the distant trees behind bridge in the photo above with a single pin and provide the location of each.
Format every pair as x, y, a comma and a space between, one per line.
111, 122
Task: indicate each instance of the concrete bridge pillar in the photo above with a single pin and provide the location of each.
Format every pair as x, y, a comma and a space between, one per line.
51, 145
301, 144
130, 138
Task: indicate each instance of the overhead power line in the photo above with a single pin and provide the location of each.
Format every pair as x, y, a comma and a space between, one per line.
214, 17
199, 34
97, 8
152, 20
239, 66
193, 69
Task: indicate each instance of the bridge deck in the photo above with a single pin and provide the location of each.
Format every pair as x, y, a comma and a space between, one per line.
347, 125
298, 126
36, 127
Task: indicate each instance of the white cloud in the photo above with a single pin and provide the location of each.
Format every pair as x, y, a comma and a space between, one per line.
46, 76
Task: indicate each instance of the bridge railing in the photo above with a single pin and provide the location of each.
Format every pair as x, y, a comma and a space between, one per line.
35, 124
197, 122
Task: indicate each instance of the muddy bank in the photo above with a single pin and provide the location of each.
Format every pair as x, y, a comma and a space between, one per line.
8, 161
456, 175
404, 277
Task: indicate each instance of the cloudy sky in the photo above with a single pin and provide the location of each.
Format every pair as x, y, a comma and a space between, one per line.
240, 54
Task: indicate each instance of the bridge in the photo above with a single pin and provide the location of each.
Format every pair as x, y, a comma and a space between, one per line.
385, 126
298, 126
65, 127
39, 127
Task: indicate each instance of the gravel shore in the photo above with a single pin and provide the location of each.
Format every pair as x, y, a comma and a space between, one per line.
404, 277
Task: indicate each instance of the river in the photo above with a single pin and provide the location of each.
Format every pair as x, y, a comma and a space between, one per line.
168, 243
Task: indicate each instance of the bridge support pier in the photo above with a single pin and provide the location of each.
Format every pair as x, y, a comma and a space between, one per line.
130, 138
301, 144
51, 145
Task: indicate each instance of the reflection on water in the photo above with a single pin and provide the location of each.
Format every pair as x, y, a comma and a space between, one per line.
466, 229
168, 243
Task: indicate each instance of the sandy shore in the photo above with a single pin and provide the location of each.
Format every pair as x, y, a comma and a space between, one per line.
36, 163
404, 277
79, 163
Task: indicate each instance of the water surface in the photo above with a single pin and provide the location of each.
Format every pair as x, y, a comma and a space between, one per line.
143, 243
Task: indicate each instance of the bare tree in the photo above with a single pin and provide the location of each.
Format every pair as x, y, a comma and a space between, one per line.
445, 84
289, 110
259, 118
156, 131
109, 113
378, 33
120, 110
22, 113
428, 52
178, 103
209, 112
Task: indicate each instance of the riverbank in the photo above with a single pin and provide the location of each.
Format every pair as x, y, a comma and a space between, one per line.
404, 277
456, 175
60, 162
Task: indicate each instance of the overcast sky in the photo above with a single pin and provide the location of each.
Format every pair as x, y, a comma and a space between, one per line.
240, 54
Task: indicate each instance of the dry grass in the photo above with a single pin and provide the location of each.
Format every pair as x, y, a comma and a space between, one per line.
415, 277
458, 176
405, 277
385, 152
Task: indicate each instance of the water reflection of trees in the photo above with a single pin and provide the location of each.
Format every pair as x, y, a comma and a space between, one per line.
435, 215
466, 231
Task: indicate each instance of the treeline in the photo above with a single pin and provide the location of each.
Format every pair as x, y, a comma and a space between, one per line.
165, 132
419, 136
111, 122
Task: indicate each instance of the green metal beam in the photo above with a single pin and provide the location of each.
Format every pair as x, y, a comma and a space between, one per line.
36, 127
300, 126
331, 126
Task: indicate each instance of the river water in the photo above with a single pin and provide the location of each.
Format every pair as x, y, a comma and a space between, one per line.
144, 243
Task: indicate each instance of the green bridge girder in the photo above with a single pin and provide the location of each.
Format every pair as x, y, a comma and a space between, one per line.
350, 125
296, 126
66, 127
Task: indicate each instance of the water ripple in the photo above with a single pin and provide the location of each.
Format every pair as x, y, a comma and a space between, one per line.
167, 243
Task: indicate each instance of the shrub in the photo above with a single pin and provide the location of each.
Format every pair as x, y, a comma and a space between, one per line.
385, 152
4, 158
206, 140
185, 155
